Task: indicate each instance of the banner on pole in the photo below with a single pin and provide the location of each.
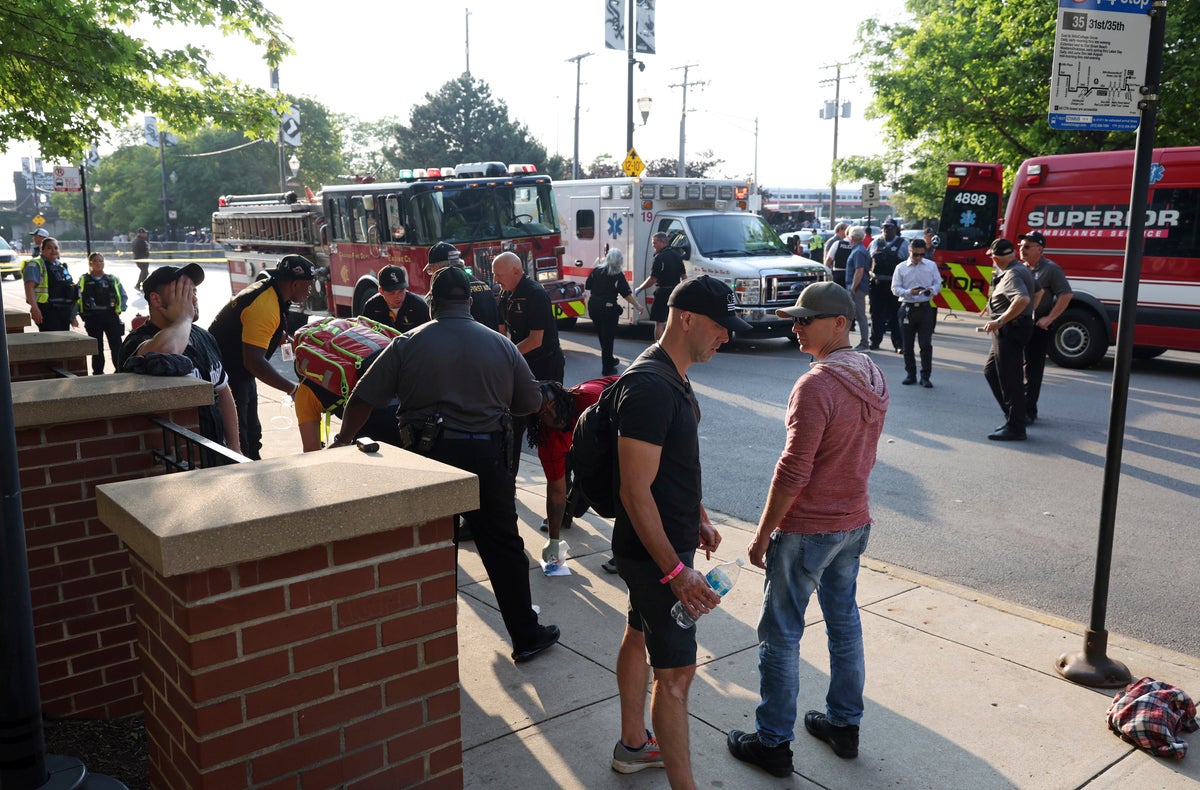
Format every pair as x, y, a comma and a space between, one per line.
614, 24
289, 127
151, 131
645, 26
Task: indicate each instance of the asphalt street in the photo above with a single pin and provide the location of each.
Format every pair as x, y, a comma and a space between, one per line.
1018, 521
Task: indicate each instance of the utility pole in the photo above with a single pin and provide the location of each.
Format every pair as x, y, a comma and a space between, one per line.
467, 17
575, 156
681, 167
837, 111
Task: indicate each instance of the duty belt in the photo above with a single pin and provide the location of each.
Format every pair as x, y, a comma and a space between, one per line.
486, 435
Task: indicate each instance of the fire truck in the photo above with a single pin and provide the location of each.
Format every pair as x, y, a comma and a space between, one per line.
1080, 203
712, 223
350, 231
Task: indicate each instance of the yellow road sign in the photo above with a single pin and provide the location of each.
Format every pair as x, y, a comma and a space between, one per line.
633, 164
39, 220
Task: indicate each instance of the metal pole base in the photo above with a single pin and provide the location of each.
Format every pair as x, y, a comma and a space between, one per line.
1093, 667
68, 773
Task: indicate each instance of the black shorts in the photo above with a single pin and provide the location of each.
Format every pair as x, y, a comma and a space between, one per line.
650, 602
660, 308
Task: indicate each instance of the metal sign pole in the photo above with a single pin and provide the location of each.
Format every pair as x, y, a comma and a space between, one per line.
1093, 667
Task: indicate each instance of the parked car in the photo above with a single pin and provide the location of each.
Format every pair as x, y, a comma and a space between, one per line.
10, 261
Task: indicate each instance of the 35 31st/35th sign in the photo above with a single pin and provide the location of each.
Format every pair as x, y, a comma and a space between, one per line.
1100, 50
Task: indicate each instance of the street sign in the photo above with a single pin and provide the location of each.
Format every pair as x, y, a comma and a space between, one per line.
66, 179
39, 220
1100, 49
633, 164
870, 196
289, 127
93, 158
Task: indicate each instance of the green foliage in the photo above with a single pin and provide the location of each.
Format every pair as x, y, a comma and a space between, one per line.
970, 81
363, 146
462, 122
68, 67
695, 168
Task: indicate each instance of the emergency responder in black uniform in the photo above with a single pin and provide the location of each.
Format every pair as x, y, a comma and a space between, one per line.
395, 305
249, 329
457, 383
484, 308
49, 290
102, 299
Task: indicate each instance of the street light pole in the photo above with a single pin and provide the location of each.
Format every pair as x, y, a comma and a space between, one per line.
575, 156
162, 164
631, 34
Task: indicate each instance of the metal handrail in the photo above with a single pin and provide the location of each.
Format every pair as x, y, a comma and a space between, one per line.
184, 450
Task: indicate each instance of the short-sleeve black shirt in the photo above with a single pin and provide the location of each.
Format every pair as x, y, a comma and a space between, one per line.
667, 268
651, 409
413, 311
528, 309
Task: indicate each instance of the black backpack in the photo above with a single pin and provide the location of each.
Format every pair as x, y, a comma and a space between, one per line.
593, 455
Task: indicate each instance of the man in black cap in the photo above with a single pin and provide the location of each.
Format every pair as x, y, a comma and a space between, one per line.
395, 305
887, 252
660, 523
141, 256
249, 329
1010, 307
170, 344
484, 308
457, 383
1056, 295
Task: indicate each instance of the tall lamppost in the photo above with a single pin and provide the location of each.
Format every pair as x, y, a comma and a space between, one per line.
644, 108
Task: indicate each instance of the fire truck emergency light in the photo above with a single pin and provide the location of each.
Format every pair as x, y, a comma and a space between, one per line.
1035, 173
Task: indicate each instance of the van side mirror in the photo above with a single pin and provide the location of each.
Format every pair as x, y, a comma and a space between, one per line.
686, 251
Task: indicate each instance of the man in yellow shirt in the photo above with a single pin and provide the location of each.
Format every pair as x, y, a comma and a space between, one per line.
248, 330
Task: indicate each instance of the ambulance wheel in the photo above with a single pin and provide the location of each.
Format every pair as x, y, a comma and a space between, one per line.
567, 323
1080, 339
1148, 352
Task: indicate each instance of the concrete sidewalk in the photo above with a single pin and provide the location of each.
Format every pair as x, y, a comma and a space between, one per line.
961, 690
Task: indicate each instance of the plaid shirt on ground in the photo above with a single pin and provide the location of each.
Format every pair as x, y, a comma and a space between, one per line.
1151, 714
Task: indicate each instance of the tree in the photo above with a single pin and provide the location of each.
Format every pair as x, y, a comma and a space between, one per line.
462, 123
68, 67
695, 168
364, 144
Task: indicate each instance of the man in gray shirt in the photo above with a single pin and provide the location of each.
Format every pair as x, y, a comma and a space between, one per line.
457, 382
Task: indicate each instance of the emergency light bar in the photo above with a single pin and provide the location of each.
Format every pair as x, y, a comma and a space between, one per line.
1035, 173
282, 198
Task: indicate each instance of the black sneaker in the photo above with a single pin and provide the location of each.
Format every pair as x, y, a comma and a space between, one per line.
746, 746
566, 524
843, 740
547, 636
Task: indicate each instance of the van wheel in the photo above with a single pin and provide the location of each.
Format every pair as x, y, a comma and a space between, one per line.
1079, 341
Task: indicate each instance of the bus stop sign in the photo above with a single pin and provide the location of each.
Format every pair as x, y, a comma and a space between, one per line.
1100, 50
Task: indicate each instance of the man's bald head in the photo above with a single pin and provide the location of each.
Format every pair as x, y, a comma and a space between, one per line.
507, 270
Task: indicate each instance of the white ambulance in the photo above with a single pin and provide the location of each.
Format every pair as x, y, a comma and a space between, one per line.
710, 220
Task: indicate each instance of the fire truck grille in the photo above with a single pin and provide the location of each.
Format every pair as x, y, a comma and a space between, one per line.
783, 289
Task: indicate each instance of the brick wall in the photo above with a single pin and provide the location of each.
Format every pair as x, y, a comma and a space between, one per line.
334, 665
78, 569
33, 370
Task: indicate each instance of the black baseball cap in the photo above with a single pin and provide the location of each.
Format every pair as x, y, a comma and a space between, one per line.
891, 221
165, 275
450, 283
1034, 236
444, 252
393, 278
1001, 247
294, 267
708, 297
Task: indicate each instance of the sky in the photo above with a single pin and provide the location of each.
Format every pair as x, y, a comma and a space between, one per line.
760, 60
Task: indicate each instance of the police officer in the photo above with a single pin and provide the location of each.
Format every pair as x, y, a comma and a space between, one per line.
457, 382
249, 329
484, 308
49, 290
395, 305
102, 299
1010, 311
837, 252
1056, 295
887, 252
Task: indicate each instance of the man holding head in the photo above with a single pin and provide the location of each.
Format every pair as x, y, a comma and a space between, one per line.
395, 305
170, 344
457, 383
249, 329
813, 531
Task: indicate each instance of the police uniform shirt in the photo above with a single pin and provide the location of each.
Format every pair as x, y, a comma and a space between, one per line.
103, 294
455, 367
528, 309
898, 244
1051, 280
413, 311
1007, 285
667, 268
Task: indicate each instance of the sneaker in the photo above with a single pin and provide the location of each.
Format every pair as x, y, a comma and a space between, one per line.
547, 636
630, 761
746, 746
609, 566
843, 740
566, 524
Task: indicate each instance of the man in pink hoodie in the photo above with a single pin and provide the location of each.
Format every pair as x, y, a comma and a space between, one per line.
813, 530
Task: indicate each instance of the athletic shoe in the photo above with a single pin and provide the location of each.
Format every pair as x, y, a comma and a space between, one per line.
747, 747
843, 740
610, 565
630, 761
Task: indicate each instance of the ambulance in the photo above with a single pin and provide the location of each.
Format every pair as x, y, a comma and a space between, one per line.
711, 221
1080, 204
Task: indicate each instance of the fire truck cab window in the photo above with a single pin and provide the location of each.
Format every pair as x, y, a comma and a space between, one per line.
395, 218
585, 224
339, 219
526, 211
366, 226
1173, 214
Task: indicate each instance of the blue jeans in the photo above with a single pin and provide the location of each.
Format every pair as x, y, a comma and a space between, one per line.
797, 564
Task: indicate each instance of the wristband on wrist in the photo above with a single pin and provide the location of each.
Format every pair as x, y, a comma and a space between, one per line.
667, 579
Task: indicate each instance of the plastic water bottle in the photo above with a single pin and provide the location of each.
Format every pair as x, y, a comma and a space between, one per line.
720, 578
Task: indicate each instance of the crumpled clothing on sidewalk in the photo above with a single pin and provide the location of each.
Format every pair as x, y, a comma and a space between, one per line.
1151, 714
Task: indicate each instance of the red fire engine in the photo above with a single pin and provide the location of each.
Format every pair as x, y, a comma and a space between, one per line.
1080, 203
350, 231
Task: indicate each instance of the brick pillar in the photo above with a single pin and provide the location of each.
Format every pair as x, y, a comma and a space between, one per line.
16, 320
297, 620
31, 355
72, 435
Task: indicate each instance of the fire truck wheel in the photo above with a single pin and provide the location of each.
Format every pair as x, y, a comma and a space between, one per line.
567, 323
1080, 340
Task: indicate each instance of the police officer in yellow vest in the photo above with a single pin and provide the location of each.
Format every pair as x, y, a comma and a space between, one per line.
49, 290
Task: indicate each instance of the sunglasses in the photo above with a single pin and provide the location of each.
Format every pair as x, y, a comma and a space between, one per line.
808, 319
